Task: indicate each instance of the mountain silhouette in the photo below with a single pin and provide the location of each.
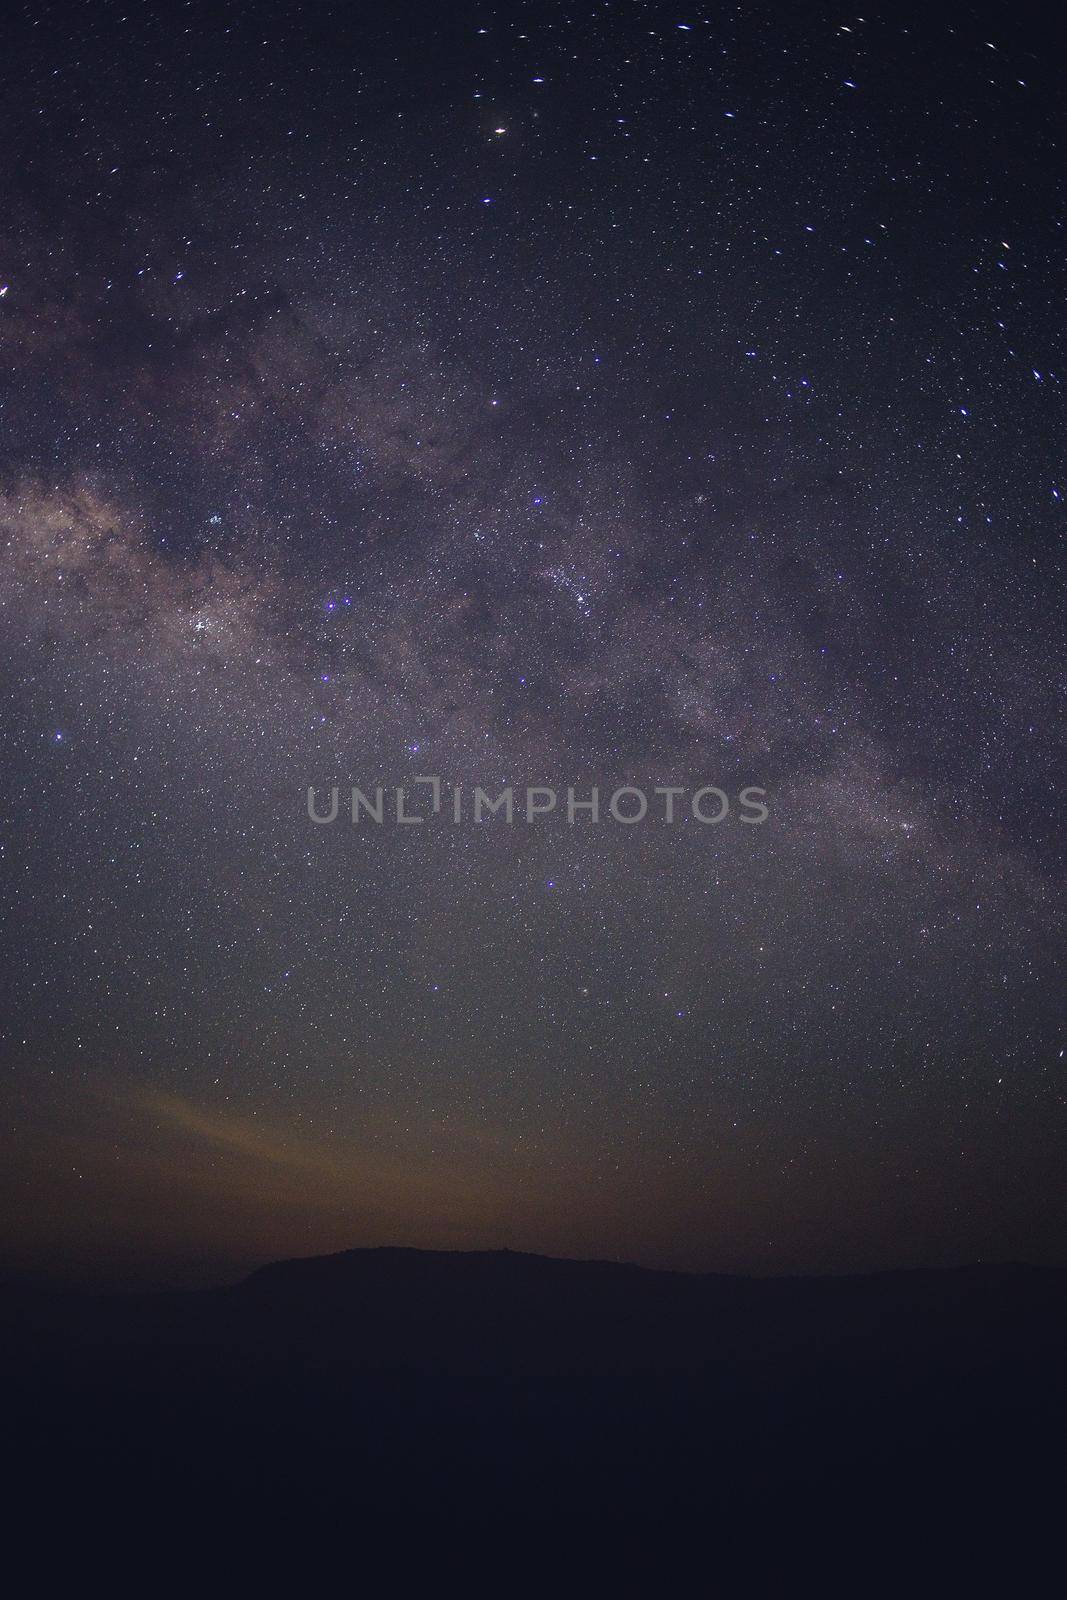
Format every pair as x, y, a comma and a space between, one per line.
504, 1312
430, 1387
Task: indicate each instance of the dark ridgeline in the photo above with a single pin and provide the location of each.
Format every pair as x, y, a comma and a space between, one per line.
498, 1386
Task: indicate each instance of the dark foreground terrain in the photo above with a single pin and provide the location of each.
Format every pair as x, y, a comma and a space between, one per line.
441, 1394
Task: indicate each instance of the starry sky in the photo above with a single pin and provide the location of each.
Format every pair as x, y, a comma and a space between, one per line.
567, 394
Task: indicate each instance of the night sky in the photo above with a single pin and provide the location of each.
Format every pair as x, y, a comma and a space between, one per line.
530, 394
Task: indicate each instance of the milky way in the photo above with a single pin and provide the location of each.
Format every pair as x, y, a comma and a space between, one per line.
543, 395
